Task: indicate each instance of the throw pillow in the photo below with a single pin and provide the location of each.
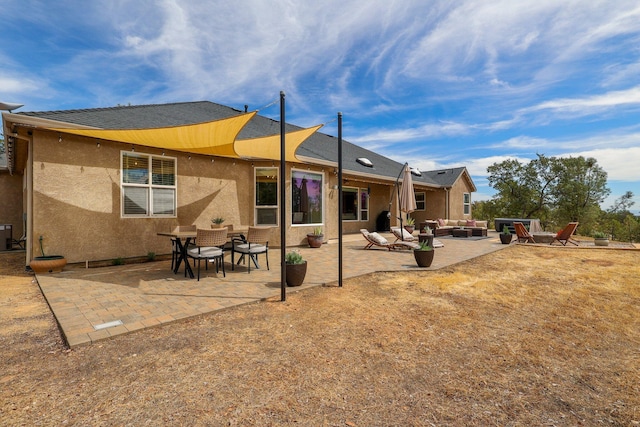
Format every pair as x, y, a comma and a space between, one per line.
406, 235
378, 238
471, 223
441, 222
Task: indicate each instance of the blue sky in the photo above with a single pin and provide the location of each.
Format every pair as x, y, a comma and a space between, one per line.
436, 83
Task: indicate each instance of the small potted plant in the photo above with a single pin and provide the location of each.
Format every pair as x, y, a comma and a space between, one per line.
424, 254
296, 268
410, 224
505, 235
217, 222
316, 238
600, 239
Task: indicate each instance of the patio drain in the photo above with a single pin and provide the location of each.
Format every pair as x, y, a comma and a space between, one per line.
108, 325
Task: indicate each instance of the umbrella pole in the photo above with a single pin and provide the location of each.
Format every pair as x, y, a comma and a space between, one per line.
398, 190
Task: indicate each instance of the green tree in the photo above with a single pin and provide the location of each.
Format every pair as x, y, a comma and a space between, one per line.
556, 190
525, 190
581, 187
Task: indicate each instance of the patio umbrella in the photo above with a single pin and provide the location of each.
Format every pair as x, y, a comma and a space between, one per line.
406, 195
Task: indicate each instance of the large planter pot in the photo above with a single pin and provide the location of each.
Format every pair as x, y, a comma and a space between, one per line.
423, 258
410, 228
601, 241
296, 273
315, 240
48, 264
506, 238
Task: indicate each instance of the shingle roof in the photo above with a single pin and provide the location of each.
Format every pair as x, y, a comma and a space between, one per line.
320, 146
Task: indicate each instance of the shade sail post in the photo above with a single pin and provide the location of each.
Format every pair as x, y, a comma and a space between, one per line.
340, 201
283, 204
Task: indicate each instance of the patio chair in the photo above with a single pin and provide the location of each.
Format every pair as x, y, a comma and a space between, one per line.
175, 248
257, 242
522, 233
208, 246
22, 240
374, 239
402, 235
564, 235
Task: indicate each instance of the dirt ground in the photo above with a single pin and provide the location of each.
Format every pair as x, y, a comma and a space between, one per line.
521, 337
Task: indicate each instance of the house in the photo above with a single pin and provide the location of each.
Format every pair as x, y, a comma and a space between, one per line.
98, 184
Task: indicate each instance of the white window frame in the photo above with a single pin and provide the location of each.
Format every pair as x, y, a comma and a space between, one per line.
423, 201
360, 208
466, 203
324, 194
357, 194
255, 196
149, 186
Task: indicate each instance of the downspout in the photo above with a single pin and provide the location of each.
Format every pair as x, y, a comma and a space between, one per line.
446, 202
29, 196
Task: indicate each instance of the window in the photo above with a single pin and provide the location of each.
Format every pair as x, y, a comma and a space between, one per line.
364, 204
350, 206
148, 185
266, 196
421, 201
355, 204
466, 200
306, 197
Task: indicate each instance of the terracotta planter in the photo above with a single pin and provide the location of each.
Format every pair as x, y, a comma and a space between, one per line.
410, 228
315, 241
296, 273
423, 258
48, 264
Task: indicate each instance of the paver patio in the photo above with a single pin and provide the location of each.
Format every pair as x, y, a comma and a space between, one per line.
99, 303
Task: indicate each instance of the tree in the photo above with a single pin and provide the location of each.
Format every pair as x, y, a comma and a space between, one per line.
552, 189
525, 191
581, 187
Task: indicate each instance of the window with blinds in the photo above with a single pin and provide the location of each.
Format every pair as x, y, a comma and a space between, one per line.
142, 196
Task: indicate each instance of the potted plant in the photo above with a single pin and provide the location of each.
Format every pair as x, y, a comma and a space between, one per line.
47, 263
505, 235
600, 239
296, 268
410, 224
217, 222
315, 239
424, 254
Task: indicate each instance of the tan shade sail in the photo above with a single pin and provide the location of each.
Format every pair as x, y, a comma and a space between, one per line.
268, 147
216, 137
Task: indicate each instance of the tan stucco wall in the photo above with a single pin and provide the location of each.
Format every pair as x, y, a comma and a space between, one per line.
77, 200
456, 205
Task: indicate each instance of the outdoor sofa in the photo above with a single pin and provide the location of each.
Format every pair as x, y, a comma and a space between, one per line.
445, 227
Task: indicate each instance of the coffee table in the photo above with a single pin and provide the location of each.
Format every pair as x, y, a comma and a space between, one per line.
462, 232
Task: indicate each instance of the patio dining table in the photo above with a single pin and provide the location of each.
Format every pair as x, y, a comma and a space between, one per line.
184, 238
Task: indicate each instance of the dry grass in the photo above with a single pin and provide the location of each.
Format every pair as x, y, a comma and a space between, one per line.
525, 336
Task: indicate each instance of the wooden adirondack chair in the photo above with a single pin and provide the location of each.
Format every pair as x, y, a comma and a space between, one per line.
564, 235
523, 234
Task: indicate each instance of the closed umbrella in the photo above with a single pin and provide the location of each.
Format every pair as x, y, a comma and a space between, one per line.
406, 195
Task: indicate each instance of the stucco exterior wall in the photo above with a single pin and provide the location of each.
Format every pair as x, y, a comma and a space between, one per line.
77, 199
456, 205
